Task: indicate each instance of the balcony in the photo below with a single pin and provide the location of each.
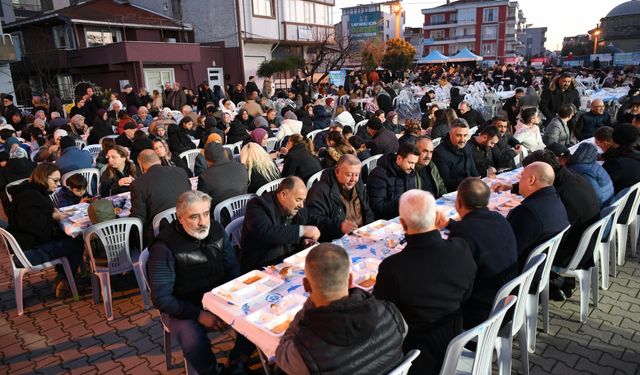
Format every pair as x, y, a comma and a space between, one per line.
7, 49
436, 42
305, 33
439, 25
122, 52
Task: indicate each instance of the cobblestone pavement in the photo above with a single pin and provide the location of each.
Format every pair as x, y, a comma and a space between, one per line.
62, 336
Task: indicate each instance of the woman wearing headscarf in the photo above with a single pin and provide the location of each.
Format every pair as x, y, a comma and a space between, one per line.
244, 119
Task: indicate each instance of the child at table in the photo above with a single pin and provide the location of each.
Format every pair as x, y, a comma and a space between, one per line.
74, 191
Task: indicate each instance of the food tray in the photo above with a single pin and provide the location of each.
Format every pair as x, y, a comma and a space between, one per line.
297, 259
275, 318
375, 230
365, 273
247, 287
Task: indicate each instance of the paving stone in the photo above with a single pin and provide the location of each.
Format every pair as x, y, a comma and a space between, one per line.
627, 367
593, 368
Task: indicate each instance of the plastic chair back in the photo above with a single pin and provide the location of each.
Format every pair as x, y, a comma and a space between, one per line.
403, 368
168, 215
236, 147
80, 144
234, 230
114, 236
358, 125
234, 206
271, 143
312, 134
270, 186
12, 245
619, 205
92, 175
549, 247
189, 157
113, 136
633, 201
314, 178
486, 334
371, 162
94, 150
436, 142
472, 131
144, 257
14, 183
595, 230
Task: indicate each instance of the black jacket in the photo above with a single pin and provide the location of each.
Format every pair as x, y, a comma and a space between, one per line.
503, 153
550, 101
15, 169
482, 156
623, 166
223, 180
326, 208
428, 281
385, 185
539, 217
495, 252
384, 142
440, 130
109, 185
268, 236
30, 216
473, 118
100, 129
179, 140
454, 164
299, 162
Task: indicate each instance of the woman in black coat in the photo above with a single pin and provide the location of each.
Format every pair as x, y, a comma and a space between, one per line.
102, 127
33, 221
304, 116
180, 136
300, 160
120, 173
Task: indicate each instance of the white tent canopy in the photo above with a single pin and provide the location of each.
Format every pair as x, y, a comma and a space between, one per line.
465, 55
434, 57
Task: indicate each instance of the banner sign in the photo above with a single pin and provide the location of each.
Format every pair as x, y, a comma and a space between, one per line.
364, 26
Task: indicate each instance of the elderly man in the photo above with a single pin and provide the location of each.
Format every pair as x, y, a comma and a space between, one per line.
143, 117
275, 225
561, 91
191, 256
430, 179
176, 98
592, 120
473, 117
338, 203
482, 145
428, 281
626, 117
156, 190
507, 147
453, 157
394, 175
492, 243
339, 326
382, 140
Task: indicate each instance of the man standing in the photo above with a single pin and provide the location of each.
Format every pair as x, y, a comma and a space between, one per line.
275, 225
481, 145
492, 243
561, 91
156, 190
9, 109
190, 257
394, 175
452, 156
131, 99
473, 117
223, 178
592, 120
177, 97
428, 281
430, 179
507, 147
251, 86
338, 203
340, 327
512, 106
382, 140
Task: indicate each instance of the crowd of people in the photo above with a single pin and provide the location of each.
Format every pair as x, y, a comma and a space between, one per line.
425, 295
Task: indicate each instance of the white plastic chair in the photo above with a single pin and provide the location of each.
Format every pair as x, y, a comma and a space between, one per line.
90, 174
371, 162
459, 360
608, 247
168, 215
14, 183
520, 157
237, 147
472, 131
629, 228
114, 237
94, 150
113, 136
541, 295
234, 230
190, 156
269, 186
504, 341
403, 368
587, 278
80, 144
312, 134
358, 125
271, 143
234, 206
10, 244
436, 142
314, 178
54, 199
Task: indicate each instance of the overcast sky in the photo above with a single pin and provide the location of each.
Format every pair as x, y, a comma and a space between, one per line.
561, 17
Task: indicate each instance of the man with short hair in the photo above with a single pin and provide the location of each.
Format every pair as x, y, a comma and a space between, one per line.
190, 257
603, 138
427, 171
394, 175
131, 99
481, 146
9, 109
224, 178
382, 140
473, 117
453, 157
428, 281
561, 91
156, 190
492, 243
276, 225
623, 161
177, 98
512, 106
338, 203
340, 327
251, 86
592, 120
507, 147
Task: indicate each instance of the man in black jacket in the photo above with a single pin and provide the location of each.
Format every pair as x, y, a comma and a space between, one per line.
453, 157
512, 106
382, 140
224, 178
275, 225
481, 145
473, 117
338, 327
337, 203
394, 174
622, 162
430, 179
507, 147
131, 99
156, 190
561, 91
492, 243
428, 281
251, 86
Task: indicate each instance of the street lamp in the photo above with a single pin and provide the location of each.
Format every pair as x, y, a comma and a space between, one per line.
396, 8
596, 32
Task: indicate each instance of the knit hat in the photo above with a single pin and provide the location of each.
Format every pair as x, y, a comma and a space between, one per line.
558, 149
260, 122
289, 115
101, 210
4, 156
391, 115
257, 135
214, 137
59, 133
214, 152
66, 142
8, 96
624, 134
374, 123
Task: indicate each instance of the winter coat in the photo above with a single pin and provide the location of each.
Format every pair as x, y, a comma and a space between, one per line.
557, 131
300, 162
454, 164
385, 184
384, 142
31, 215
584, 162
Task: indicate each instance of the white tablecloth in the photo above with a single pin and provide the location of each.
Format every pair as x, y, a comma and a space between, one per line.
75, 224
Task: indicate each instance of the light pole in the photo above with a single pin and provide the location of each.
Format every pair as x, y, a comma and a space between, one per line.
397, 10
596, 32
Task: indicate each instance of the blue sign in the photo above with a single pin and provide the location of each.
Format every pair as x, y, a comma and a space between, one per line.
337, 77
365, 25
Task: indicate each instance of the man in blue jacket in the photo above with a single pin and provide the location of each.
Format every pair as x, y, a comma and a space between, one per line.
72, 158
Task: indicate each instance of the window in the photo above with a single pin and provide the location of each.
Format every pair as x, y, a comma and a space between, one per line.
155, 79
323, 15
437, 48
490, 14
387, 24
65, 86
17, 44
488, 49
299, 11
263, 8
469, 31
100, 37
467, 15
489, 32
437, 19
437, 34
453, 18
60, 37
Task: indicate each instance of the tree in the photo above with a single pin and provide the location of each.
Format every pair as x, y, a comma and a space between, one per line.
372, 53
398, 54
328, 53
287, 64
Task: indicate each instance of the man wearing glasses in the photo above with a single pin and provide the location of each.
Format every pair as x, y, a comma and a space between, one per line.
592, 120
